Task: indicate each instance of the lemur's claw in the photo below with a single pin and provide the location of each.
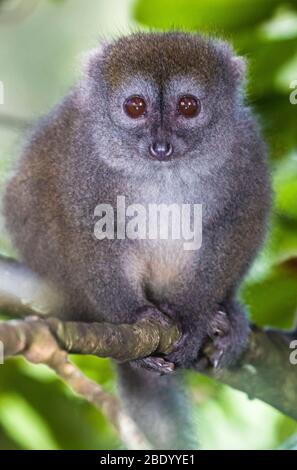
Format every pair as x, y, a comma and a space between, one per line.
216, 358
215, 349
155, 364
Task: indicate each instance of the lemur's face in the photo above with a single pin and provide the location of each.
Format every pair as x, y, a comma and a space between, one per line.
160, 115
161, 121
166, 92
165, 114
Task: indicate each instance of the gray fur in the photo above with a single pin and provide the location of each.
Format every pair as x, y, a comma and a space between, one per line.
88, 151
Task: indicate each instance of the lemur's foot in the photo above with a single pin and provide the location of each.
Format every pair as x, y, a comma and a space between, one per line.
220, 325
218, 344
225, 343
155, 364
219, 347
186, 349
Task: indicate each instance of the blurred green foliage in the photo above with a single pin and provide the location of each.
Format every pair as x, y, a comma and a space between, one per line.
204, 15
36, 410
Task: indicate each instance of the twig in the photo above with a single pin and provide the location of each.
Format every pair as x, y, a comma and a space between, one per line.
15, 122
34, 339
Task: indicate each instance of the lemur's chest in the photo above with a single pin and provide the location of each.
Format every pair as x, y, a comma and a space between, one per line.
161, 267
165, 253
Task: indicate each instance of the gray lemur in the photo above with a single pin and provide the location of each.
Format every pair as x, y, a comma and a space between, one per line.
158, 118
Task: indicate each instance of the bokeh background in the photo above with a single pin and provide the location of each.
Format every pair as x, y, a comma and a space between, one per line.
41, 47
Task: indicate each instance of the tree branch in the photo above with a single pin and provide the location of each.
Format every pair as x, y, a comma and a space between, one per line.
35, 340
14, 122
264, 370
119, 342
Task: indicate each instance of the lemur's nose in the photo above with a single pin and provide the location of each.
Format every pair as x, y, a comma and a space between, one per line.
161, 150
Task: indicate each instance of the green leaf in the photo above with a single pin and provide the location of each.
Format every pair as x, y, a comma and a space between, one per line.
204, 15
24, 424
285, 186
273, 300
278, 119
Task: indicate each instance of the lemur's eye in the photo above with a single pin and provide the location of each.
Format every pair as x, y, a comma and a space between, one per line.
135, 107
188, 106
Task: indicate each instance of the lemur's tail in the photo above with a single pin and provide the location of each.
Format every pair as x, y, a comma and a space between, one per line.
158, 406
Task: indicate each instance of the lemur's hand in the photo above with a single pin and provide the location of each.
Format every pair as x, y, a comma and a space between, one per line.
227, 337
186, 350
156, 364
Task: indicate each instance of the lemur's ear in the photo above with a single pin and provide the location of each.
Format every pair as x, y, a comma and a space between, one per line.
238, 68
91, 58
90, 66
236, 65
